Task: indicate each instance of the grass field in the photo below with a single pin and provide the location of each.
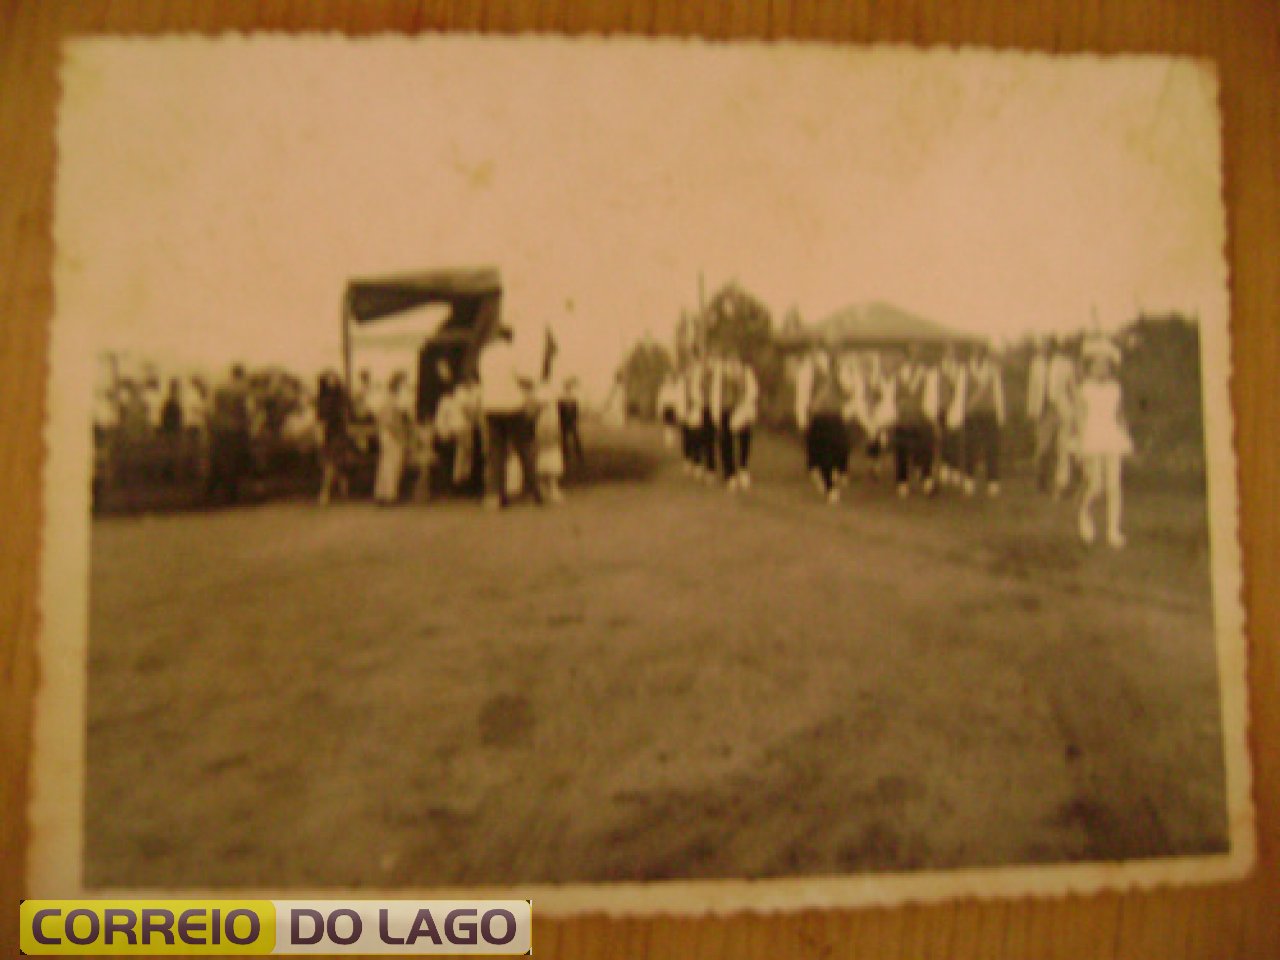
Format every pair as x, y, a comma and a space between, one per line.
653, 680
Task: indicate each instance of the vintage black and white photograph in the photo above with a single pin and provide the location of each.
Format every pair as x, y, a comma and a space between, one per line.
575, 466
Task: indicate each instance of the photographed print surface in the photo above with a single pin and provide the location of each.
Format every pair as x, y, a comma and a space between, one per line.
638, 475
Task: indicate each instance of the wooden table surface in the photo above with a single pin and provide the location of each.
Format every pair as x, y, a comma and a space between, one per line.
1243, 37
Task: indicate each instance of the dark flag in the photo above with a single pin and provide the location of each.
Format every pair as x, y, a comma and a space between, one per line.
549, 350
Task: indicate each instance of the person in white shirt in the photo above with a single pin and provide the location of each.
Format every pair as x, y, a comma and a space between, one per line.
952, 400
983, 420
696, 383
735, 400
856, 410
1061, 388
914, 431
881, 409
395, 431
504, 404
820, 405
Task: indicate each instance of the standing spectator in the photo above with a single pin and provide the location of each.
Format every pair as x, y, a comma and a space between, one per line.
332, 414
550, 444
984, 420
365, 401
503, 403
1104, 439
567, 408
451, 424
230, 419
171, 411
395, 431
469, 461
170, 431
153, 401
916, 403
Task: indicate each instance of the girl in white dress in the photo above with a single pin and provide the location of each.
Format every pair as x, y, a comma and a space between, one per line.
1104, 440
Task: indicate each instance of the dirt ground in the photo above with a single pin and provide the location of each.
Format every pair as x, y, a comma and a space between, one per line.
655, 679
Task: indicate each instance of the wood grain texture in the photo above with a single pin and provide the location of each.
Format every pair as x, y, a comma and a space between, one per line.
1242, 36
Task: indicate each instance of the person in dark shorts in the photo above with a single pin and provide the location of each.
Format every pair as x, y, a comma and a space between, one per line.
570, 438
820, 403
915, 431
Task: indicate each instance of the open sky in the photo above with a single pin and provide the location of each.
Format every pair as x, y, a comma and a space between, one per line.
214, 196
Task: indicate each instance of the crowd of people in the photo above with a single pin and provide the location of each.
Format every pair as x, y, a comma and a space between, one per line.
500, 433
504, 432
941, 421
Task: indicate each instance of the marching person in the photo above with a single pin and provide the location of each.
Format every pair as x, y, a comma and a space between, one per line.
1104, 439
952, 405
735, 402
820, 417
1037, 413
983, 420
916, 409
1061, 389
709, 430
504, 393
881, 410
395, 432
855, 412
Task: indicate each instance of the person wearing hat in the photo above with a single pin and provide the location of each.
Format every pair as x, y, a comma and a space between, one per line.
1104, 439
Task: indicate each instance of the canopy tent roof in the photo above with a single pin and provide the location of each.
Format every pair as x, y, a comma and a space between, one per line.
875, 324
377, 298
472, 295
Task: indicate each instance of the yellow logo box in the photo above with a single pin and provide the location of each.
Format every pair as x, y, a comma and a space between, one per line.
260, 927
123, 927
